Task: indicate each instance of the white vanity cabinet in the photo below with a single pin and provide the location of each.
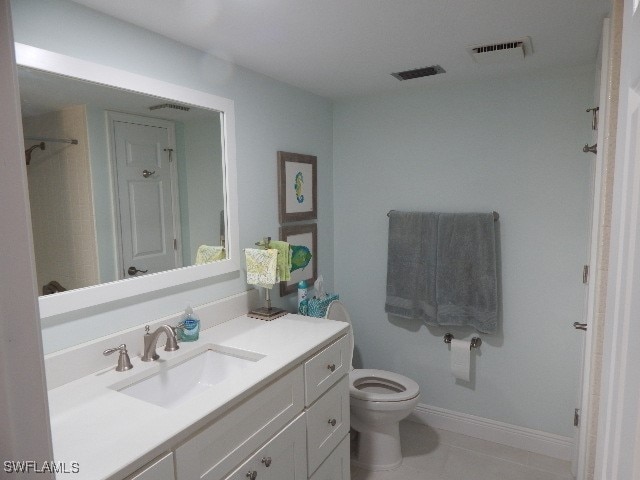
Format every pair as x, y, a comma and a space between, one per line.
293, 429
284, 416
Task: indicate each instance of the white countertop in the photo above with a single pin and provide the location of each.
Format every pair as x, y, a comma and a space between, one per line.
109, 434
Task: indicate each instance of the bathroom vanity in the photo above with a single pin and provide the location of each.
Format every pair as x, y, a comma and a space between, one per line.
278, 409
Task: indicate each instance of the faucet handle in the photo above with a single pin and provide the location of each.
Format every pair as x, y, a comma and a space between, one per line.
124, 362
180, 326
177, 329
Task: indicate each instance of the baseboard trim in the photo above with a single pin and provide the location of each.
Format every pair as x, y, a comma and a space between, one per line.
549, 444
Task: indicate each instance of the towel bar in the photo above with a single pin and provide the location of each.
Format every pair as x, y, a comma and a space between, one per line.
496, 215
475, 341
267, 312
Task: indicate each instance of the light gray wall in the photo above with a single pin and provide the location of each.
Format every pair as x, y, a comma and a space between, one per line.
270, 116
510, 145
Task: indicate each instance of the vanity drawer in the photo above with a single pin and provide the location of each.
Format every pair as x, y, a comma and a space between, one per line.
327, 423
221, 446
325, 368
159, 469
284, 457
338, 465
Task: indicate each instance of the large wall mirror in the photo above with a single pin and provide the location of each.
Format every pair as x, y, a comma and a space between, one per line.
132, 181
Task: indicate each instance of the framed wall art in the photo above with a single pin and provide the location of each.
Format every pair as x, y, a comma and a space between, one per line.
297, 187
304, 256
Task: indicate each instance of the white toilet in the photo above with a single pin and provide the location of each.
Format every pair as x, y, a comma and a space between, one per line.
379, 400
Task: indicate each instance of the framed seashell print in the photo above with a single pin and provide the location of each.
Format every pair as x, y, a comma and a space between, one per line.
297, 187
303, 240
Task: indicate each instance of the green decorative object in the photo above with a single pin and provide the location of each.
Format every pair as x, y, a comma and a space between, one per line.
300, 257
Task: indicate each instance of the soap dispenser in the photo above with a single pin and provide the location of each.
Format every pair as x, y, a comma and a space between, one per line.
190, 331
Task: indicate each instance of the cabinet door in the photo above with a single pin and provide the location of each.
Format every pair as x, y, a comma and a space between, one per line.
284, 457
337, 466
160, 469
327, 423
223, 445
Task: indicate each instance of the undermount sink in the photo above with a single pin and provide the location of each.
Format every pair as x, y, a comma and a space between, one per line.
196, 374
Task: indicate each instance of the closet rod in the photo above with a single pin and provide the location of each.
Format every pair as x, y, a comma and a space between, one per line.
496, 215
72, 141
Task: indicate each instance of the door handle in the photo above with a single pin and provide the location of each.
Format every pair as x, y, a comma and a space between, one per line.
133, 271
580, 326
146, 173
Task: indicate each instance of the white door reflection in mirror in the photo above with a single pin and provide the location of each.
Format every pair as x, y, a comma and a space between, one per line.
146, 191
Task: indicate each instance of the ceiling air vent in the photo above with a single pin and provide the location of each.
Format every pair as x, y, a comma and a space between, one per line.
170, 105
501, 52
419, 72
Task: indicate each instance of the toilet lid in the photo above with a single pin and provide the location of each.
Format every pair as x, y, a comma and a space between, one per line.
381, 386
337, 311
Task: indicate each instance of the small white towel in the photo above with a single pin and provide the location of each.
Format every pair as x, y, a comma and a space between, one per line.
261, 266
208, 254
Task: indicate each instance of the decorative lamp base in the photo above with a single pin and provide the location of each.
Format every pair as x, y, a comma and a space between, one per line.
264, 313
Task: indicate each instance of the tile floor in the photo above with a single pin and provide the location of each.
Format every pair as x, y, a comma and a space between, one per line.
432, 454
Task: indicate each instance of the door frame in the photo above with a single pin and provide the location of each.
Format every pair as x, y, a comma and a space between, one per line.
618, 448
23, 389
580, 448
112, 117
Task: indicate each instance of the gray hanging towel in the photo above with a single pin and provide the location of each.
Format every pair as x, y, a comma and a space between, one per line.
411, 265
466, 273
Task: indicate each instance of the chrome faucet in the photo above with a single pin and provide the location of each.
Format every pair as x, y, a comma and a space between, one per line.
124, 362
151, 340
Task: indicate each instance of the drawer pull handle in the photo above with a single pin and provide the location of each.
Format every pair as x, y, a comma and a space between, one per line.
332, 367
332, 422
266, 461
252, 475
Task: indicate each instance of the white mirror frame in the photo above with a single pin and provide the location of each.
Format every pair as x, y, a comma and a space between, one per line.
65, 302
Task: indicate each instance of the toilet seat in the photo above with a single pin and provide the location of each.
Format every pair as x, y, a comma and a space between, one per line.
373, 385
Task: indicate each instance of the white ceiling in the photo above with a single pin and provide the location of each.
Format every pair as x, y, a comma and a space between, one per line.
338, 48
